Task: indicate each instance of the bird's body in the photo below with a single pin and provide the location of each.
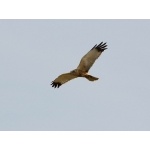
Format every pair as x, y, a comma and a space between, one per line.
82, 70
81, 73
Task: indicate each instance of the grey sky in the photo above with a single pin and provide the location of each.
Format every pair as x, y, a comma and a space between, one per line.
35, 52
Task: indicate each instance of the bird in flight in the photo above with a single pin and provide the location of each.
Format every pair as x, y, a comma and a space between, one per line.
82, 70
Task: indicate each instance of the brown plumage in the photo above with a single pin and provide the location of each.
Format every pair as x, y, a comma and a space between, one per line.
85, 64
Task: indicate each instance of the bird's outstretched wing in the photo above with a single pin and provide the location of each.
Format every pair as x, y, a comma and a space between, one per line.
88, 60
63, 78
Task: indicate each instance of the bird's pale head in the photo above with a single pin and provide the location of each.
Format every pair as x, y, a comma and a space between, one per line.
73, 71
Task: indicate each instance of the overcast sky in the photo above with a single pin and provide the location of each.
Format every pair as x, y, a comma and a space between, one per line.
34, 52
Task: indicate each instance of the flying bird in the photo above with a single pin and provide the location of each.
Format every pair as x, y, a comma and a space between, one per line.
82, 70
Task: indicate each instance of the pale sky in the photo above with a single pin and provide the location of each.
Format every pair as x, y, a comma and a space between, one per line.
34, 52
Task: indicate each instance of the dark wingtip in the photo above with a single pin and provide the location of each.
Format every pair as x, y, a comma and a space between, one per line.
56, 84
94, 46
101, 47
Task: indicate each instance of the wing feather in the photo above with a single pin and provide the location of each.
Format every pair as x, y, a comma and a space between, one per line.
63, 78
88, 60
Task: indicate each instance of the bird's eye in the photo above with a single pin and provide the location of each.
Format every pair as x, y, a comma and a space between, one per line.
72, 71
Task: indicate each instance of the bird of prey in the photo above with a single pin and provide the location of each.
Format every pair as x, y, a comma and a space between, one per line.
82, 70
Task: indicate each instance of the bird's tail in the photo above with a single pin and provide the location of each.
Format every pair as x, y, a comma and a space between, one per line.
91, 78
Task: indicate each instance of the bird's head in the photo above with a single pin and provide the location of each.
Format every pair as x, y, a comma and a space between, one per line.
73, 71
